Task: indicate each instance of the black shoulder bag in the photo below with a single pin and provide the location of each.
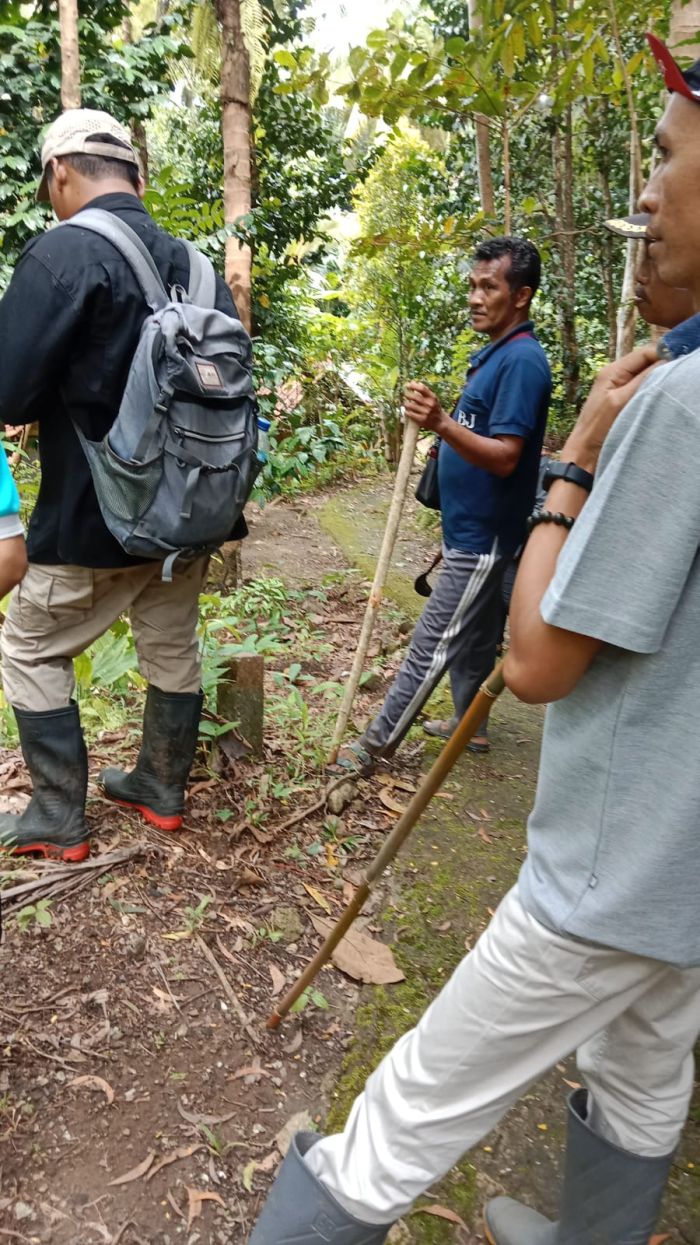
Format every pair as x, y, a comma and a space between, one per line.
428, 488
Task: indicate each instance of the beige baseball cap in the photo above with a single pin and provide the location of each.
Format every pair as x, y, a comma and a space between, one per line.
80, 131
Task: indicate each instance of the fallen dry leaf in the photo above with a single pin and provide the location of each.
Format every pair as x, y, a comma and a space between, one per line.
577, 1085
248, 877
485, 838
254, 1070
259, 835
182, 1152
295, 1043
136, 1172
348, 892
659, 1240
300, 1122
317, 897
194, 1117
389, 802
247, 1175
232, 959
331, 857
279, 980
201, 786
195, 1197
95, 1082
388, 780
174, 1204
440, 1212
361, 957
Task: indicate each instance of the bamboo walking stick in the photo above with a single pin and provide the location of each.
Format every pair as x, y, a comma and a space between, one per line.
488, 692
410, 437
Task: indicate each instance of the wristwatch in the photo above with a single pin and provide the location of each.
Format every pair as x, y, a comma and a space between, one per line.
567, 471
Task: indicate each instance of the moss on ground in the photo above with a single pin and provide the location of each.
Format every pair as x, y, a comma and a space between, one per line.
359, 537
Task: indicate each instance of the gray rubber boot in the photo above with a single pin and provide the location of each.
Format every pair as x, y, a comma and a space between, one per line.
300, 1210
155, 787
53, 823
610, 1197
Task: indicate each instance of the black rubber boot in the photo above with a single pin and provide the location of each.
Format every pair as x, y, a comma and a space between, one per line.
156, 785
53, 823
610, 1197
300, 1211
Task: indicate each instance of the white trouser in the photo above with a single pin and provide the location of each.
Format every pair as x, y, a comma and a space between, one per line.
520, 1001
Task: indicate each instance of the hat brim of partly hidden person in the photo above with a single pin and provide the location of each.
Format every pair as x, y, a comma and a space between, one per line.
682, 83
632, 228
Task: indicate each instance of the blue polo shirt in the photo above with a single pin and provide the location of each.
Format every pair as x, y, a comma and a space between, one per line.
682, 340
507, 393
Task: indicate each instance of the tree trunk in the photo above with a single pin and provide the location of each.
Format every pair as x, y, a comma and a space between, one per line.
685, 24
138, 129
506, 177
481, 127
563, 175
627, 314
606, 264
627, 311
236, 128
70, 53
563, 169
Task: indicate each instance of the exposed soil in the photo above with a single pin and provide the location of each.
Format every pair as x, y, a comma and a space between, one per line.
121, 1047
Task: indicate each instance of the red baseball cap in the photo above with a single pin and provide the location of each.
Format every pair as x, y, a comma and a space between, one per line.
683, 82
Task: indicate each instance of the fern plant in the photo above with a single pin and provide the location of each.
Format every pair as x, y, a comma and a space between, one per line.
206, 41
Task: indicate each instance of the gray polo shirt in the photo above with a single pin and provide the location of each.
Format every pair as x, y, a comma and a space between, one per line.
614, 837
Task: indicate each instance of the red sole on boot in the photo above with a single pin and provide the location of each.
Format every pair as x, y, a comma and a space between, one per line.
154, 819
51, 851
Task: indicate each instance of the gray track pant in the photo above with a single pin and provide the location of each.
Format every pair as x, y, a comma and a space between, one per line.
459, 631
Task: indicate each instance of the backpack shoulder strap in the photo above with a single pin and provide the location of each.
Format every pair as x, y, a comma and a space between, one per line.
130, 246
202, 286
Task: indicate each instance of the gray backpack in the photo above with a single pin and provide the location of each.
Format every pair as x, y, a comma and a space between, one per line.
178, 464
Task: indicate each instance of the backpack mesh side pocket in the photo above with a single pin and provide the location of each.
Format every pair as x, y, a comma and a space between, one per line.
127, 489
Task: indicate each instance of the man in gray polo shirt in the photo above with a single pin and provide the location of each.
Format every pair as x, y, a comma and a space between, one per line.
597, 948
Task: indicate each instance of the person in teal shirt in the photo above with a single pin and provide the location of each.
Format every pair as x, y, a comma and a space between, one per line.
13, 555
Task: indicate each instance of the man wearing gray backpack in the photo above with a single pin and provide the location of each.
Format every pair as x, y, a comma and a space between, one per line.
128, 352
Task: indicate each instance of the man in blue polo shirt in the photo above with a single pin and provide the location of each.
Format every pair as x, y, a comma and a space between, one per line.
487, 467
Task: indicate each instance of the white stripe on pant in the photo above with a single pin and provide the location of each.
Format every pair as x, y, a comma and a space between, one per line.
524, 998
458, 630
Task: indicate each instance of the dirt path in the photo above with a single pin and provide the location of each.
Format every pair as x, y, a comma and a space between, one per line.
141, 1099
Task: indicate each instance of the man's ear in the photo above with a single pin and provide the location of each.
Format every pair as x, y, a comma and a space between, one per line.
524, 296
59, 171
141, 187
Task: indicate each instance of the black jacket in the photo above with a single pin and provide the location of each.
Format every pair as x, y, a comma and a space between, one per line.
69, 326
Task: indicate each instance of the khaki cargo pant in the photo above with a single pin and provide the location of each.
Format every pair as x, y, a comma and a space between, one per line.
56, 612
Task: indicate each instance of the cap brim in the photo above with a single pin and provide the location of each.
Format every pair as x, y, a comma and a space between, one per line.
633, 228
672, 74
42, 190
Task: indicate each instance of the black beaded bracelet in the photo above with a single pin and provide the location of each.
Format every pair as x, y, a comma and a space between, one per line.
548, 516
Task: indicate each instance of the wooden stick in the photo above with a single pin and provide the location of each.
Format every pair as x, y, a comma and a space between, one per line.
410, 438
488, 692
228, 988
